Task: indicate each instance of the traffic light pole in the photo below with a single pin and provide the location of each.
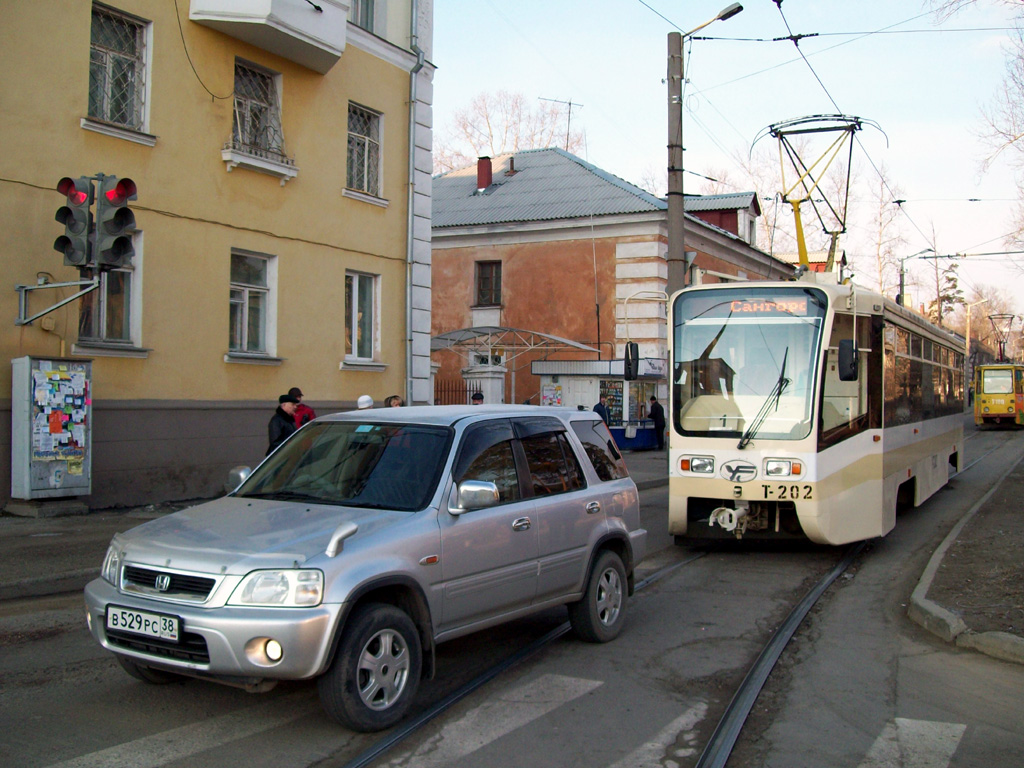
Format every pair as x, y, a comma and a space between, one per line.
90, 286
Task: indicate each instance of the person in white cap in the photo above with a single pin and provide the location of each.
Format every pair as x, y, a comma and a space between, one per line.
364, 402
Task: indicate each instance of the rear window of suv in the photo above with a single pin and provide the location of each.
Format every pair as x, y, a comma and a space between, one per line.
601, 449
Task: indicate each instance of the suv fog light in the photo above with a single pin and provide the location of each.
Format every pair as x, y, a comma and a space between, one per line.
264, 651
88, 619
274, 650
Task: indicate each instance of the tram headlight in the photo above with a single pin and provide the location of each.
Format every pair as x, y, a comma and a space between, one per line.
782, 468
704, 465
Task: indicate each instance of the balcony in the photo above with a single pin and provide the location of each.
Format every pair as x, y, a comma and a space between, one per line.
292, 29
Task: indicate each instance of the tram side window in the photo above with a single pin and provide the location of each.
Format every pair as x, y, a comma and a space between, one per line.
845, 404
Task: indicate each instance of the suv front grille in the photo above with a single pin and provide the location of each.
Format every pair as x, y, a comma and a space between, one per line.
180, 586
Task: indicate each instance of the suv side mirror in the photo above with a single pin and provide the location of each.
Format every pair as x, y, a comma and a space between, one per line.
847, 360
236, 476
475, 494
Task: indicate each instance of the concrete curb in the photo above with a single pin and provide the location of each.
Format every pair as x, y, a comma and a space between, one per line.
51, 584
944, 623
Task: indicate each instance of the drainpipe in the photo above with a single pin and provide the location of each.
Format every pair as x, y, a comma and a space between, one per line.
420, 58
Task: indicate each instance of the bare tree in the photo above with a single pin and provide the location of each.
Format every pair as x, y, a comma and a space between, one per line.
495, 123
887, 234
1003, 119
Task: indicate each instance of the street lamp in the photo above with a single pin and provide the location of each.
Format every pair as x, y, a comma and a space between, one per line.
902, 301
676, 206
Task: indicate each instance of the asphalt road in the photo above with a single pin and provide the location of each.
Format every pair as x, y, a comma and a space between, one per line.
860, 686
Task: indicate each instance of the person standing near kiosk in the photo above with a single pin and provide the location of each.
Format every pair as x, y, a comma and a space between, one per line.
657, 414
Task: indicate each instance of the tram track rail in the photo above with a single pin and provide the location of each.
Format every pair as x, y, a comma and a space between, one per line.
368, 756
727, 731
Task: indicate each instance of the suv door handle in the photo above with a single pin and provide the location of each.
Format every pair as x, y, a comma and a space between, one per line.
521, 524
593, 507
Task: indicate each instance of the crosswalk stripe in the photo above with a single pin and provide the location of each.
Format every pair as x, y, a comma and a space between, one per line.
652, 754
914, 744
178, 743
495, 718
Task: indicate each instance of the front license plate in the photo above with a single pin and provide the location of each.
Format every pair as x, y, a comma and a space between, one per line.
156, 625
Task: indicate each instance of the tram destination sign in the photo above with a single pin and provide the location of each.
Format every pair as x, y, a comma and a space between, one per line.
772, 307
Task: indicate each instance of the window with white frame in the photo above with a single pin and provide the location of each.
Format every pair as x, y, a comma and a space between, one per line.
360, 315
105, 314
364, 150
256, 129
250, 304
361, 14
117, 68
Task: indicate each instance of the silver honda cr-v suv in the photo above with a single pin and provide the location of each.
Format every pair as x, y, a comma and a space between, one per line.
367, 538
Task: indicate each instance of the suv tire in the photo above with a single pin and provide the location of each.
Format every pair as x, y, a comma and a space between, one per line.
598, 617
376, 671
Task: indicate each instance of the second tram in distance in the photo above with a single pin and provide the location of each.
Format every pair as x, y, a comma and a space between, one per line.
806, 409
999, 394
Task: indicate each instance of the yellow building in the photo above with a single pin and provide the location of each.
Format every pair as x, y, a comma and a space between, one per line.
281, 151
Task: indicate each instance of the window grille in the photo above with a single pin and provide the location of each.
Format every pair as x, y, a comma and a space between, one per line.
363, 150
117, 69
249, 302
256, 129
488, 283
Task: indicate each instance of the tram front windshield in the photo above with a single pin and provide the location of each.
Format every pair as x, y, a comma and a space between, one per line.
744, 361
997, 381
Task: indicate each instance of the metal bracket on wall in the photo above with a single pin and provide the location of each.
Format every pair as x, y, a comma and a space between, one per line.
90, 286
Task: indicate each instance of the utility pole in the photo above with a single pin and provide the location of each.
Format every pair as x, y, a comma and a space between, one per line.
676, 255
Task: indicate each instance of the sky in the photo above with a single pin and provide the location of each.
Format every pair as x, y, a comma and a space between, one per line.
923, 82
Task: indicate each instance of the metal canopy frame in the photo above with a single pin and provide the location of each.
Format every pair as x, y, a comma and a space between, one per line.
469, 341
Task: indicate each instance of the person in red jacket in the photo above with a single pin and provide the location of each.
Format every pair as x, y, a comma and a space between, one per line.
303, 413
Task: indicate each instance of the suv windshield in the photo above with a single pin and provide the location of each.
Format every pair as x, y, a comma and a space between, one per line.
386, 466
743, 359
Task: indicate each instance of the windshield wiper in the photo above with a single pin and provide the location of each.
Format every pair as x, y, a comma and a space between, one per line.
772, 400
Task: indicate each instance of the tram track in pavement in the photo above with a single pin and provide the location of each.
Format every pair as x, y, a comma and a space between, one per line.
719, 746
368, 756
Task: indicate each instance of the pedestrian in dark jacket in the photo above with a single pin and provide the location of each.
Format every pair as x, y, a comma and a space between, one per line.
282, 423
601, 409
658, 416
303, 413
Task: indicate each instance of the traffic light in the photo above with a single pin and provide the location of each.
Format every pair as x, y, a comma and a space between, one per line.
631, 363
115, 222
74, 243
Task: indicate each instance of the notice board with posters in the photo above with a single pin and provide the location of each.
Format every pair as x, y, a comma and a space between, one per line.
51, 428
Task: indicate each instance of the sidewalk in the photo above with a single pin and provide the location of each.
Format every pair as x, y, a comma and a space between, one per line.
971, 592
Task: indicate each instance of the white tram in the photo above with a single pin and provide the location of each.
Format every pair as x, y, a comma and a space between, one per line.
806, 409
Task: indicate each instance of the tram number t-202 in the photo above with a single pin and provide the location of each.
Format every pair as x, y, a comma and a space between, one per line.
786, 492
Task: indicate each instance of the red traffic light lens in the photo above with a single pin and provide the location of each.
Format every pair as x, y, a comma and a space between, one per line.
74, 195
122, 192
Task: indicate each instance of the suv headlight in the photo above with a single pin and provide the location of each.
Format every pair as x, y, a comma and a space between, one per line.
111, 570
287, 589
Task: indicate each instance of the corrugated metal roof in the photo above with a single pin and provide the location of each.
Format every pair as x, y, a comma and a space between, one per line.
731, 201
548, 184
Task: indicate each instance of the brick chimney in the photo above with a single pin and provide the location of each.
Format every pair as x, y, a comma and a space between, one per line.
483, 173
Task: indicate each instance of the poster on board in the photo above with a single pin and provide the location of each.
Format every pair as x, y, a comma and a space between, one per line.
51, 440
